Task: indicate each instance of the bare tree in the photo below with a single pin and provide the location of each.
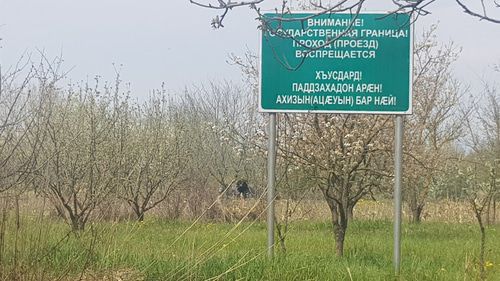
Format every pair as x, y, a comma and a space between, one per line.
479, 169
153, 154
490, 121
481, 184
436, 122
484, 140
22, 89
80, 154
14, 104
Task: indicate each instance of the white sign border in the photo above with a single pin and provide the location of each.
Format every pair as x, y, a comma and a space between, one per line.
409, 111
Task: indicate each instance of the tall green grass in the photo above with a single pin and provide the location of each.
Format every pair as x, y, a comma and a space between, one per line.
43, 249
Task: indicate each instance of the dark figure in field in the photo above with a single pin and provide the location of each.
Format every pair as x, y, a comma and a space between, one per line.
243, 189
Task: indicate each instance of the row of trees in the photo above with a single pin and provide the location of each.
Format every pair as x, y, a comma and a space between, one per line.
83, 145
88, 144
78, 145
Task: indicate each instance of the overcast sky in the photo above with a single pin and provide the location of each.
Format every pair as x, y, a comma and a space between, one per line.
172, 41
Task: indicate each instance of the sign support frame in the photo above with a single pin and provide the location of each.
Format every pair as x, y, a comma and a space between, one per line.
398, 155
398, 171
271, 181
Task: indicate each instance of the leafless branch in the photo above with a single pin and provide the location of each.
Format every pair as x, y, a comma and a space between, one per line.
481, 16
225, 6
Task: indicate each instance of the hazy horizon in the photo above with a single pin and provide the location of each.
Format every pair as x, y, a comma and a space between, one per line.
172, 42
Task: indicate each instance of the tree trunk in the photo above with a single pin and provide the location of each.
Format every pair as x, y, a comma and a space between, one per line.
140, 216
139, 212
494, 219
77, 224
416, 215
339, 240
281, 237
416, 212
481, 252
3, 227
479, 218
488, 212
339, 223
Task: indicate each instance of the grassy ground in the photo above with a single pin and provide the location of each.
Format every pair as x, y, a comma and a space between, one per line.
44, 249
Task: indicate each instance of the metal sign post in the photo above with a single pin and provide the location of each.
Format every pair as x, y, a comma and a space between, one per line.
271, 179
398, 169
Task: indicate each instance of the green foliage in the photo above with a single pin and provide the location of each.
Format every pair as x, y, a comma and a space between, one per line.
162, 250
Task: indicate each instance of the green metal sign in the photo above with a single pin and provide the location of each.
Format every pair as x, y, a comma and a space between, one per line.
336, 63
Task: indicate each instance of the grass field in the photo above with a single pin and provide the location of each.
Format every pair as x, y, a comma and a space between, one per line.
44, 249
